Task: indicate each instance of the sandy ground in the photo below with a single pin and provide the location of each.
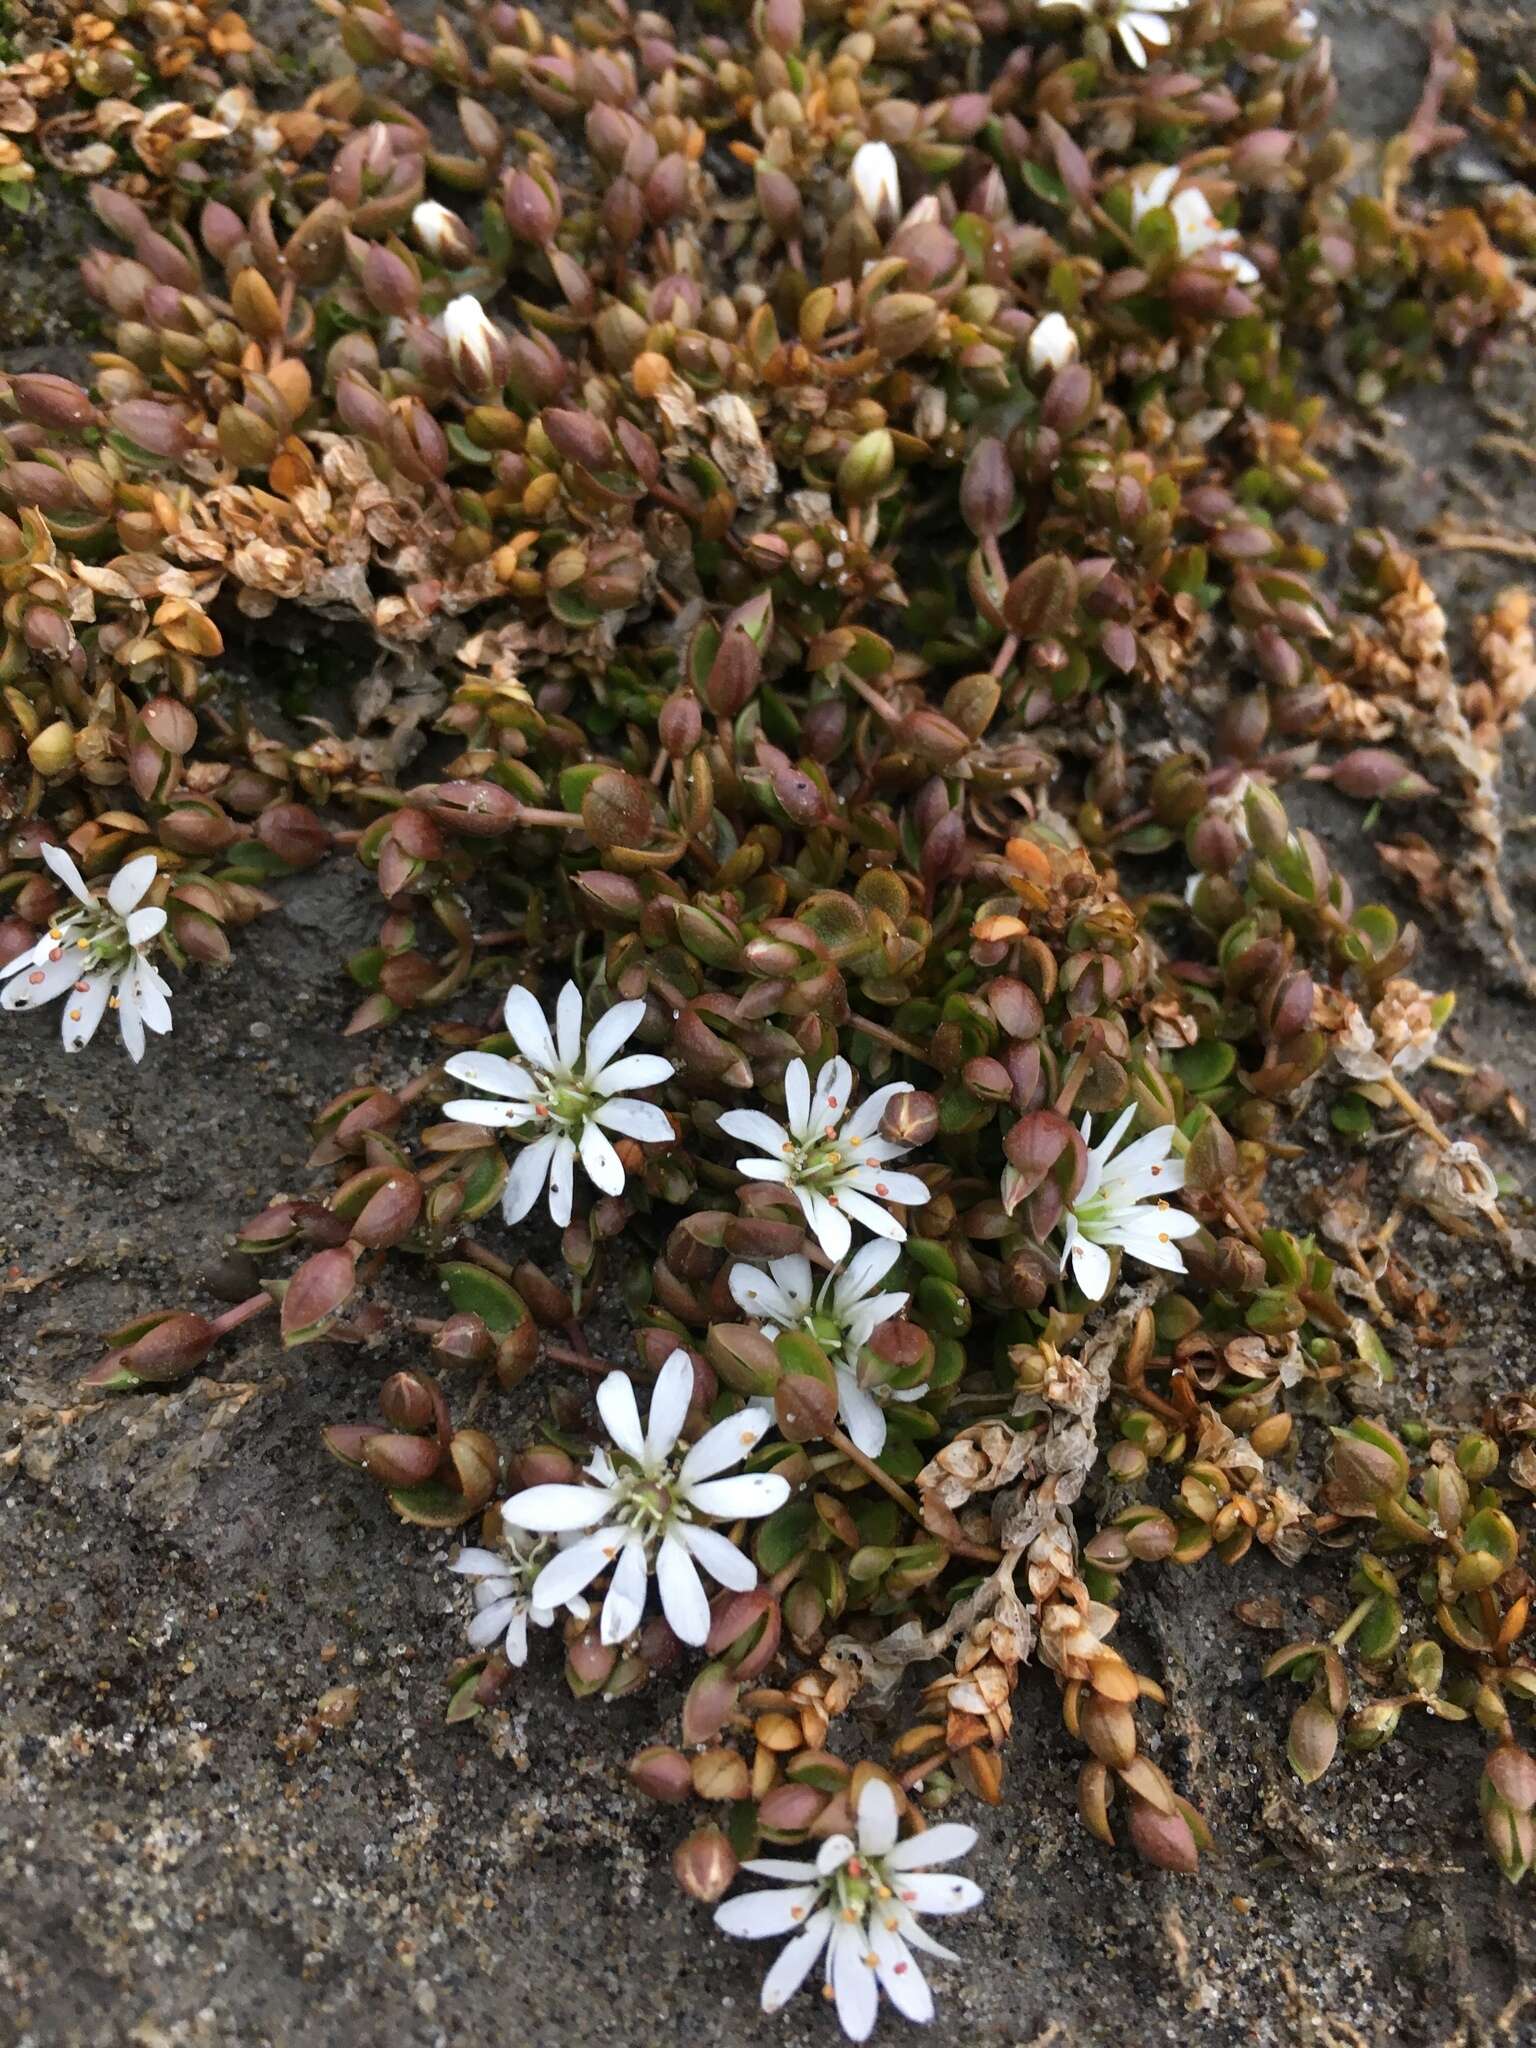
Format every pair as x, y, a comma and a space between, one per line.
182, 1576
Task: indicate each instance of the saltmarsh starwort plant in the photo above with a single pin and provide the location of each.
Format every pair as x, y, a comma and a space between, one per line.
830, 499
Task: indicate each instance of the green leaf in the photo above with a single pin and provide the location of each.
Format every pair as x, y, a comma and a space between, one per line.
474, 1291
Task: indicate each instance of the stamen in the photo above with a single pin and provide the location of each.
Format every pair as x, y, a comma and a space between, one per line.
36, 976
882, 1188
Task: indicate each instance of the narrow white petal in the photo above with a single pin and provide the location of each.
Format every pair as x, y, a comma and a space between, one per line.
568, 1026
614, 1028
749, 1494
570, 1571
84, 1009
861, 1209
625, 1603
756, 1916
490, 1623
1090, 1268
144, 925
66, 871
829, 1105
562, 1173
603, 1165
759, 1295
853, 1980
886, 1185
901, 1979
44, 979
792, 1871
795, 1961
683, 1599
638, 1070
863, 1417
726, 1565
868, 1266
621, 1417
643, 1121
834, 1853
941, 1844
530, 1033
1132, 42
530, 1169
763, 1169
130, 1017
516, 1645
547, 1509
933, 1891
490, 1071
829, 1226
793, 1274
797, 1097
753, 1128
877, 1818
670, 1397
724, 1445
482, 1563
489, 1113
911, 1930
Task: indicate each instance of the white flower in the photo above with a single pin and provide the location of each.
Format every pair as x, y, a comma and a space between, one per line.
475, 345
98, 956
875, 178
644, 1506
837, 1169
860, 1904
567, 1109
1198, 228
504, 1603
1124, 1202
842, 1318
1136, 22
1052, 344
442, 235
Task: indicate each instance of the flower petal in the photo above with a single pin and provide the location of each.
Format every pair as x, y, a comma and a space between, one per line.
130, 883
562, 1173
144, 925
621, 1417
530, 1170
84, 1008
791, 1870
748, 1494
901, 1979
130, 1017
568, 1026
625, 1604
638, 1070
491, 1622
861, 1209
877, 1818
489, 1113
866, 1269
530, 1033
484, 1564
64, 867
887, 1185
724, 1445
797, 1097
614, 1028
829, 1226
726, 1565
683, 1599
795, 1961
642, 1121
1090, 1268
829, 1105
757, 1915
834, 1853
863, 1417
46, 978
516, 1645
570, 1571
549, 1509
941, 1844
854, 1988
670, 1398
758, 1294
751, 1127
933, 1891
490, 1071
604, 1168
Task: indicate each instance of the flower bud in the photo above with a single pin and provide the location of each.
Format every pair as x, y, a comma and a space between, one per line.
1052, 344
442, 235
477, 349
1375, 775
987, 489
705, 1865
876, 180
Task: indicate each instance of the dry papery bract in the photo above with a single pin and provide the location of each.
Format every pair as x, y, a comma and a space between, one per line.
822, 510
